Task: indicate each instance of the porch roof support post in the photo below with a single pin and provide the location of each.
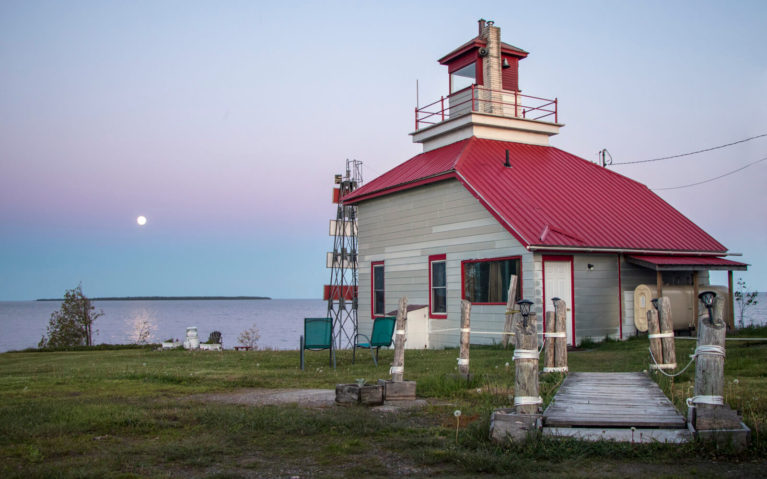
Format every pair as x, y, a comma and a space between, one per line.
659, 281
694, 322
730, 301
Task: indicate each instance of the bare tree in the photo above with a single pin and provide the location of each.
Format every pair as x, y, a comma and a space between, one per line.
249, 337
745, 300
142, 328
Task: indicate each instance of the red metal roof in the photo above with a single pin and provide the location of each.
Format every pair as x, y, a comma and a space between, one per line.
477, 42
550, 198
706, 262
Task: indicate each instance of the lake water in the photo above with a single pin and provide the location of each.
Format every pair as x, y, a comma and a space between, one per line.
279, 321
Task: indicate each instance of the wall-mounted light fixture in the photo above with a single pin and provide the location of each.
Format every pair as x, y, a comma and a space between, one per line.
590, 267
506, 63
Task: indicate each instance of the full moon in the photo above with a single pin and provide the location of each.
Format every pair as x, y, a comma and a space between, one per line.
141, 220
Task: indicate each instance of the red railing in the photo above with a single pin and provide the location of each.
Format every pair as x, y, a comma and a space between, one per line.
477, 99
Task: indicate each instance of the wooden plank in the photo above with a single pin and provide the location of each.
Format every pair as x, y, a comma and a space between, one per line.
611, 400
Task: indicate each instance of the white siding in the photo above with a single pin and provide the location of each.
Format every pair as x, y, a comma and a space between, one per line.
597, 311
404, 229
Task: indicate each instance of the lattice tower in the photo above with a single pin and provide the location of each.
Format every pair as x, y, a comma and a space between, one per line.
341, 294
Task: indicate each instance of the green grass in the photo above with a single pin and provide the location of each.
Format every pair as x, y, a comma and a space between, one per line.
128, 413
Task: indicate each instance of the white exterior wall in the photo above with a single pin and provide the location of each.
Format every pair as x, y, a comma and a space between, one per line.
597, 310
404, 229
595, 295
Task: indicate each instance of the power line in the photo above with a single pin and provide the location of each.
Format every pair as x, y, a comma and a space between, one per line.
690, 153
712, 179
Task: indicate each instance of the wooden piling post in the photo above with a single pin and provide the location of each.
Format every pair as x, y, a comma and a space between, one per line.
667, 332
653, 330
709, 360
551, 324
560, 342
707, 410
510, 309
527, 397
463, 359
398, 366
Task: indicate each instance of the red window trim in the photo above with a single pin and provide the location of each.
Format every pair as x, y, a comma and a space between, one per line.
485, 260
563, 258
373, 265
470, 58
433, 258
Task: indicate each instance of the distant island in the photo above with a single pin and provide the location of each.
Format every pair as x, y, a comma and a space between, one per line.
166, 298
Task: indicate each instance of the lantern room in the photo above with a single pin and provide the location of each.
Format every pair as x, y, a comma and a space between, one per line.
465, 63
484, 98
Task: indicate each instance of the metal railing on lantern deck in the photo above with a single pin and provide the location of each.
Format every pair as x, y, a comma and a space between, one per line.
477, 99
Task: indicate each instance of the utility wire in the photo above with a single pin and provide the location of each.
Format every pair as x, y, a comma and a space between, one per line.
690, 153
712, 179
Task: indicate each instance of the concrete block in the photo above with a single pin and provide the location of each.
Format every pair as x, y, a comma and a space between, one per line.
371, 395
506, 424
400, 390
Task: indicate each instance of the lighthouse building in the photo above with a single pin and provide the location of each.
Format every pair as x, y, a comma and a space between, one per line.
489, 197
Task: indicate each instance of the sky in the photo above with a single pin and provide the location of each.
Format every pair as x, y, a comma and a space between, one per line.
224, 122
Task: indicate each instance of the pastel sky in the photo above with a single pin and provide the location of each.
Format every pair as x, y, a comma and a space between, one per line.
224, 123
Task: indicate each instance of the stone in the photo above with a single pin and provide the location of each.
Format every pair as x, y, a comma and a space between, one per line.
506, 424
347, 393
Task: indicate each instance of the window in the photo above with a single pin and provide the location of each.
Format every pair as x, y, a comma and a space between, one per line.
437, 286
377, 303
463, 78
486, 281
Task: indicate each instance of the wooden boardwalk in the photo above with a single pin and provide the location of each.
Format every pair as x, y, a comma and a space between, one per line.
619, 406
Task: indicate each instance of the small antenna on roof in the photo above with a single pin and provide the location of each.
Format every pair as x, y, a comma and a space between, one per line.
605, 158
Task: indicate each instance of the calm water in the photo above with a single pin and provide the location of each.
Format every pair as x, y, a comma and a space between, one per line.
279, 321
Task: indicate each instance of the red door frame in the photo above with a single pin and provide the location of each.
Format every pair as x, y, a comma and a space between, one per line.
552, 258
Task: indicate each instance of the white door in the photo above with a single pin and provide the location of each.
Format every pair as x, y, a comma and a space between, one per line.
558, 284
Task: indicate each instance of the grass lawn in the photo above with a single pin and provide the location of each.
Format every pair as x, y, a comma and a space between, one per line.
128, 413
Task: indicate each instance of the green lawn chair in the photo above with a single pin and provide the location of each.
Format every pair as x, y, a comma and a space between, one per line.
383, 329
318, 335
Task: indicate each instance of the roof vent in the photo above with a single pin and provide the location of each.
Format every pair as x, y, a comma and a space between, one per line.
507, 164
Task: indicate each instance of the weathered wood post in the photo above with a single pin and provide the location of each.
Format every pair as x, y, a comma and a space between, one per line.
510, 310
709, 359
710, 417
666, 333
398, 388
400, 330
519, 422
548, 358
527, 397
653, 333
463, 357
560, 341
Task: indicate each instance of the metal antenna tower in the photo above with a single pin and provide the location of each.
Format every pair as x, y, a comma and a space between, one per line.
341, 293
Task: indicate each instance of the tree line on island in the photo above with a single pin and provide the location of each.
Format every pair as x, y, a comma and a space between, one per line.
166, 298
